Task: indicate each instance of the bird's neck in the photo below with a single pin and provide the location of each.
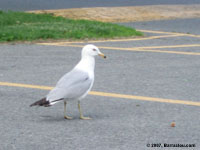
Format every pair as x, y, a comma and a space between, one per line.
87, 63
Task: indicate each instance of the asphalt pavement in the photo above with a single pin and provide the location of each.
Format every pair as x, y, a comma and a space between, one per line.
166, 68
189, 26
24, 5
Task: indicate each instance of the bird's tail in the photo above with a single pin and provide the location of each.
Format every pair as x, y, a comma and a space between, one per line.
42, 102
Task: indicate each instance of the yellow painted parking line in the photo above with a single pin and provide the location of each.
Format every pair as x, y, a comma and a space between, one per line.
173, 33
193, 35
154, 51
25, 85
113, 95
144, 98
116, 40
157, 32
133, 49
168, 46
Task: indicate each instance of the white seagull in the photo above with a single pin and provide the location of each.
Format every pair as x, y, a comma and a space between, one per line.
75, 84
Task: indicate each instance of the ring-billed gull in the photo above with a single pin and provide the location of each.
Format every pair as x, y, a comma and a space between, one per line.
75, 84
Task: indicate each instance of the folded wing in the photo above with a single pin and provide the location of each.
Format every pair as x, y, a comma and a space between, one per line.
71, 86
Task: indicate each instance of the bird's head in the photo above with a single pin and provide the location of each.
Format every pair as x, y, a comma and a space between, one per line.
91, 50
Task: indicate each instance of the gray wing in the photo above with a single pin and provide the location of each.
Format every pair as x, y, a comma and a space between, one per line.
71, 86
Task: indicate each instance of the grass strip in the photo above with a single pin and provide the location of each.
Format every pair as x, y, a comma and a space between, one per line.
21, 26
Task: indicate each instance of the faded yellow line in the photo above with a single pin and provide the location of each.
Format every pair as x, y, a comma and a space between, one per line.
173, 33
143, 98
117, 40
157, 32
192, 35
133, 49
26, 86
114, 95
155, 51
168, 46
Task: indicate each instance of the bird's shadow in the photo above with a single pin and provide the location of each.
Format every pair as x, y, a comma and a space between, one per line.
48, 118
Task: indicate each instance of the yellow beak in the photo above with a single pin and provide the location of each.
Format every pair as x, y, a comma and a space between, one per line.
102, 55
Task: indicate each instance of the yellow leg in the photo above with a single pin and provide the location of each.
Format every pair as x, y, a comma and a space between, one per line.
81, 114
65, 112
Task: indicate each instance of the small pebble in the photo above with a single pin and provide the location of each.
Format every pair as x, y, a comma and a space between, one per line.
173, 124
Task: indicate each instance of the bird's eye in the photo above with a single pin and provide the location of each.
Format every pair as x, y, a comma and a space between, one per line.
94, 49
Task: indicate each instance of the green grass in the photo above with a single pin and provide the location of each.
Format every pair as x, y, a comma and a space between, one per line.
21, 26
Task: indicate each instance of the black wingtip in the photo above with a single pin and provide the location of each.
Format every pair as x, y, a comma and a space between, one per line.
42, 102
